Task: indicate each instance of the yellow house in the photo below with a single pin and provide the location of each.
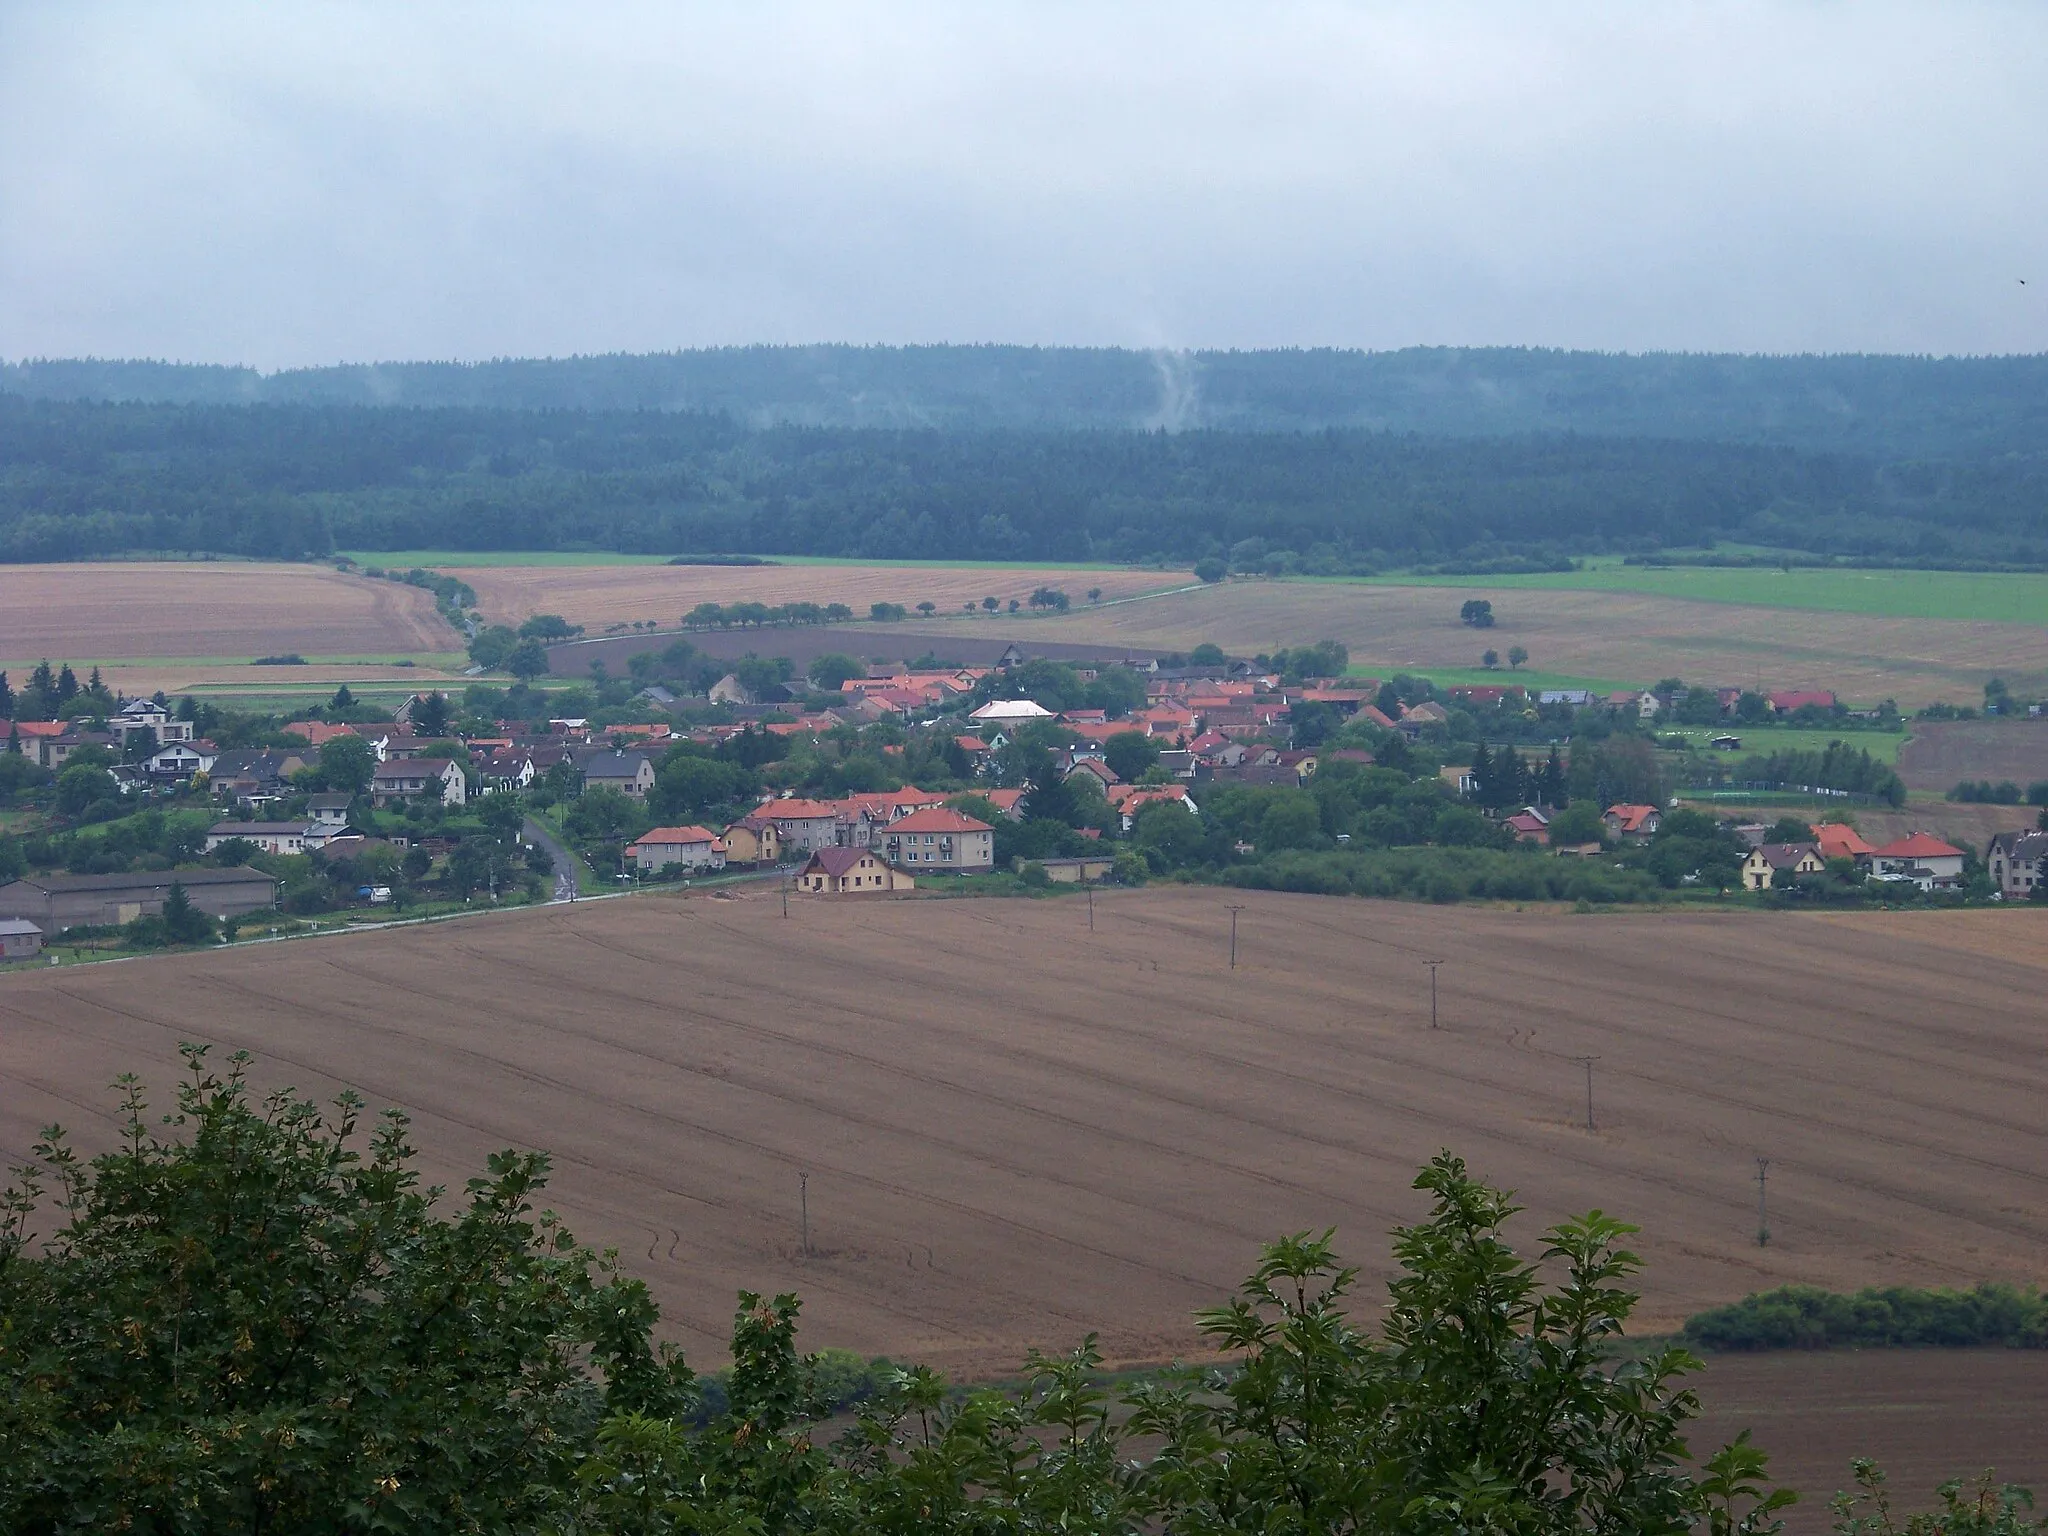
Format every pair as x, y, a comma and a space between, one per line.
753, 840
850, 872
1769, 862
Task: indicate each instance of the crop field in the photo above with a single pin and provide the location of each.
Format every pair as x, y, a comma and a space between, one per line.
1945, 752
1634, 636
207, 615
1016, 1130
2000, 597
597, 595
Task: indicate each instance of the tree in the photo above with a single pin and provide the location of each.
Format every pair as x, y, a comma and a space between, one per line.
1477, 612
527, 660
927, 607
347, 764
548, 626
67, 685
183, 922
431, 714
1095, 594
1015, 605
991, 604
80, 785
1207, 654
1516, 656
1129, 754
887, 613
1490, 660
1211, 568
6, 699
834, 669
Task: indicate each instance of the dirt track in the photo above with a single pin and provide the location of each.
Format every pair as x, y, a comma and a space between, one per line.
1016, 1131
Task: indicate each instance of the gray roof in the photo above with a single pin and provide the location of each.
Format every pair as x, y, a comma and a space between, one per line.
259, 829
614, 765
17, 925
151, 879
330, 802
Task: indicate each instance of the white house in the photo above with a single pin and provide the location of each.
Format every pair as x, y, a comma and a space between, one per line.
270, 836
696, 849
148, 715
411, 777
1011, 712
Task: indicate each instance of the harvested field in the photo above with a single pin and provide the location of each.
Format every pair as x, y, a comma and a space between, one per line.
597, 595
1017, 1131
1925, 1415
97, 612
1943, 753
1631, 637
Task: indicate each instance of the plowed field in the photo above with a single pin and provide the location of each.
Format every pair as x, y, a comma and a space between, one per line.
1016, 1130
100, 612
1623, 637
597, 595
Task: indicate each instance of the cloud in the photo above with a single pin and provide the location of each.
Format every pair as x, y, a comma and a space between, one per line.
285, 185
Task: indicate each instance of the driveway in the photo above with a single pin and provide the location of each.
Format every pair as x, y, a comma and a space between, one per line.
564, 861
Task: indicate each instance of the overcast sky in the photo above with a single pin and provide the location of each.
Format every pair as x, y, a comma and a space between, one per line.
282, 184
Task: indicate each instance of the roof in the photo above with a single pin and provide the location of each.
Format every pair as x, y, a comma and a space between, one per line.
258, 829
670, 836
410, 767
329, 802
1631, 817
1793, 698
1786, 855
614, 765
798, 810
1011, 709
1005, 800
17, 926
2022, 845
1839, 842
151, 879
1918, 845
938, 819
837, 861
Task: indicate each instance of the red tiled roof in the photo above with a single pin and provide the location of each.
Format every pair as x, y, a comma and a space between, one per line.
1839, 842
668, 836
797, 810
938, 819
1918, 845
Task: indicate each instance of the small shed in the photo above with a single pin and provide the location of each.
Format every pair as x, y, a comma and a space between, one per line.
20, 939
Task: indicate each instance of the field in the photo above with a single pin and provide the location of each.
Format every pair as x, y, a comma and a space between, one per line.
1945, 752
597, 595
1637, 637
1016, 1130
1763, 740
1988, 596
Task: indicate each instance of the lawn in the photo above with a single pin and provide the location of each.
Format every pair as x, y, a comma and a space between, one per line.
1759, 739
1985, 596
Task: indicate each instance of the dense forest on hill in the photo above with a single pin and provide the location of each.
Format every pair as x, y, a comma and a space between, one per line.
80, 479
1887, 407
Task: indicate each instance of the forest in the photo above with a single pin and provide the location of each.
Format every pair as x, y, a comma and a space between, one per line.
82, 478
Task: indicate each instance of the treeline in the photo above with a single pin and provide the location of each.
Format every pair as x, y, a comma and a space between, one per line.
1893, 407
1806, 1317
290, 481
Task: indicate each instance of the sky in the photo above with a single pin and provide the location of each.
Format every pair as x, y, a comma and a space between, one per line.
286, 185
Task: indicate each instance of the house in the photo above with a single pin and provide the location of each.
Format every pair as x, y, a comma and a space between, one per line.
255, 775
408, 778
1087, 870
1836, 841
802, 826
56, 902
696, 849
1725, 743
2018, 862
1921, 858
753, 840
941, 840
1529, 826
1090, 767
1572, 698
52, 752
1008, 801
147, 715
1127, 800
1010, 712
270, 836
329, 811
180, 761
1636, 822
850, 871
1459, 779
1414, 719
20, 939
1785, 702
514, 769
1772, 864
319, 732
630, 773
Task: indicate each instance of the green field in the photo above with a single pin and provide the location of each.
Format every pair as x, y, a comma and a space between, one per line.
1760, 739
1999, 597
1470, 677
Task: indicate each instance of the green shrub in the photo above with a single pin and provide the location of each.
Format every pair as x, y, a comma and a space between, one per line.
1806, 1317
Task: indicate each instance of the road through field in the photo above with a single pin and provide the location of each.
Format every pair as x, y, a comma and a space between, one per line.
1016, 1131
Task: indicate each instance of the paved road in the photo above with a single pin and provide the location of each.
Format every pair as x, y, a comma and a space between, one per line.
564, 861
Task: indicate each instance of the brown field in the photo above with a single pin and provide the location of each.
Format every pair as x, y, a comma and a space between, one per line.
597, 595
1943, 753
1016, 1131
1624, 637
96, 612
1925, 1415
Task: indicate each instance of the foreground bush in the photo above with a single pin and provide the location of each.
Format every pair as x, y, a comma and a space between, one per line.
251, 1325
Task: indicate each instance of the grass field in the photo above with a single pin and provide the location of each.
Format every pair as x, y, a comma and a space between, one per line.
595, 596
1586, 635
1006, 1152
1997, 597
1882, 745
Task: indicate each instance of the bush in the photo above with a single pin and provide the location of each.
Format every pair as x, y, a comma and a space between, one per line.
1806, 1317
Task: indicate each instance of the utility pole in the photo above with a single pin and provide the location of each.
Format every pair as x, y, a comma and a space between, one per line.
803, 1188
1763, 1211
785, 890
1234, 910
1091, 907
1432, 964
1587, 1063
